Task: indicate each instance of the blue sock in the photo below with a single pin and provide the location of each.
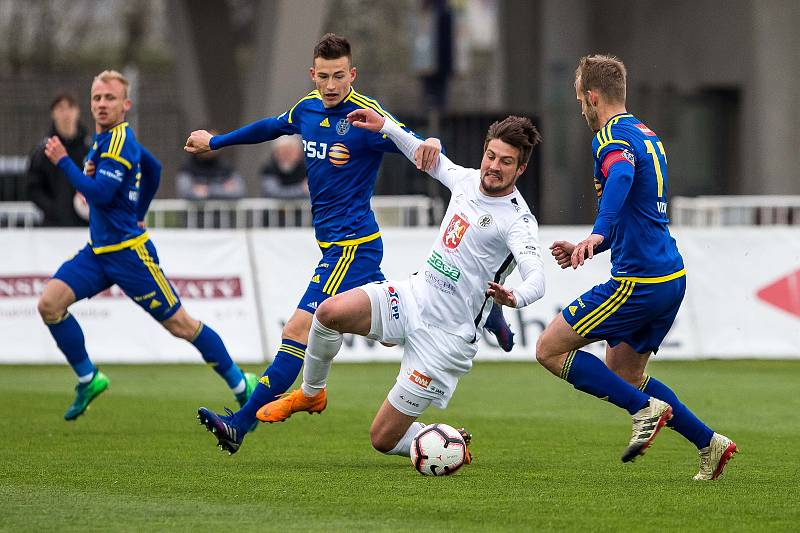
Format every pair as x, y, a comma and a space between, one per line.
589, 374
214, 353
69, 338
683, 420
276, 380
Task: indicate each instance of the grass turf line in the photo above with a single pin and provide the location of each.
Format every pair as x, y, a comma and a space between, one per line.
547, 456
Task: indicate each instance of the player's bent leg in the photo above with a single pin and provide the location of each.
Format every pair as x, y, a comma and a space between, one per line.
54, 301
630, 365
392, 430
588, 374
66, 331
625, 362
555, 343
349, 312
281, 372
212, 349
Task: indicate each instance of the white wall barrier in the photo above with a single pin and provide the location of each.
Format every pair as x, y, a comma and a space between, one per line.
743, 296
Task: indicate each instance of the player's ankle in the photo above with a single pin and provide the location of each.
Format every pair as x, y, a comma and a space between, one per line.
310, 392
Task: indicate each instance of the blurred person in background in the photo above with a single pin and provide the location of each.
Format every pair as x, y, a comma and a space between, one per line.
48, 186
207, 176
284, 174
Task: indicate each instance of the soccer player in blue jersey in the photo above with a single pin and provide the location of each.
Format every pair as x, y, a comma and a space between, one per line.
124, 180
635, 309
342, 164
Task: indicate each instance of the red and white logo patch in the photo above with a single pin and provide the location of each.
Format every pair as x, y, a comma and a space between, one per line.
455, 232
644, 129
420, 379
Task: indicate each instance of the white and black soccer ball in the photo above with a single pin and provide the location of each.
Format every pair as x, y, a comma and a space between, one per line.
438, 450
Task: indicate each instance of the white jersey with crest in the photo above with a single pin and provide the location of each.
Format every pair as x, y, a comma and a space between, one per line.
482, 238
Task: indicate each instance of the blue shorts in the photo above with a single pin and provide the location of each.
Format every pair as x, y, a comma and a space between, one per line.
135, 270
627, 310
343, 268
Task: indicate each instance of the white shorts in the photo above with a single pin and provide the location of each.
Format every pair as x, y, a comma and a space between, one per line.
433, 359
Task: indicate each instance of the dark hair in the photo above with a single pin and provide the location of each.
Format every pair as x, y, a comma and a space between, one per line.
331, 46
603, 73
519, 132
64, 96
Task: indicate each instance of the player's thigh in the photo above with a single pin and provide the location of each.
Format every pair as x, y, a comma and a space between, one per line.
389, 425
348, 312
340, 269
138, 273
558, 338
393, 311
84, 274
651, 312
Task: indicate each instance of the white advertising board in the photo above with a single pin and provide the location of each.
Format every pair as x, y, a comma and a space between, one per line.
742, 300
210, 270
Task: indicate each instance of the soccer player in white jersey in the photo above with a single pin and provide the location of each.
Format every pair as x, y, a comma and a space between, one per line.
437, 313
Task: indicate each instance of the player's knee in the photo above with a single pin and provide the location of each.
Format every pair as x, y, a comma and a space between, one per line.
50, 310
327, 314
542, 354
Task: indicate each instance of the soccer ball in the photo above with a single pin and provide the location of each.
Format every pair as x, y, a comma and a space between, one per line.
438, 450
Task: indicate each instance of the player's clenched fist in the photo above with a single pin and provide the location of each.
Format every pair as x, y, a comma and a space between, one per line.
54, 150
562, 252
198, 142
368, 119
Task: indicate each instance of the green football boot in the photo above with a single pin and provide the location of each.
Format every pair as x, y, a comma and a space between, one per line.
85, 393
250, 382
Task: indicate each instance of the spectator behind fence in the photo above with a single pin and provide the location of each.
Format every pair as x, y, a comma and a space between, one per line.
207, 177
48, 186
284, 175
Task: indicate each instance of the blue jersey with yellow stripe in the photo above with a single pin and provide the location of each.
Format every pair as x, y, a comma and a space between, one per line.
341, 161
116, 155
633, 215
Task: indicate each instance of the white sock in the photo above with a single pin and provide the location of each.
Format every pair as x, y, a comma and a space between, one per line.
240, 388
403, 447
85, 379
323, 345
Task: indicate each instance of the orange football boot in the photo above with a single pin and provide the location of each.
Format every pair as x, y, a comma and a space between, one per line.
292, 402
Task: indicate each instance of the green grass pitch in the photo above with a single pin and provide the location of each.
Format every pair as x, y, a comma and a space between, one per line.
547, 456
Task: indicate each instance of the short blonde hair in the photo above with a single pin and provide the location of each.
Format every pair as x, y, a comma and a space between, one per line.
603, 73
109, 75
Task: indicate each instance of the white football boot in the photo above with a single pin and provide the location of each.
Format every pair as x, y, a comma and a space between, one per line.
714, 457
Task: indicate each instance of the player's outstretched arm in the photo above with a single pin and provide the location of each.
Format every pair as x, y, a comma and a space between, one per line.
442, 168
585, 250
